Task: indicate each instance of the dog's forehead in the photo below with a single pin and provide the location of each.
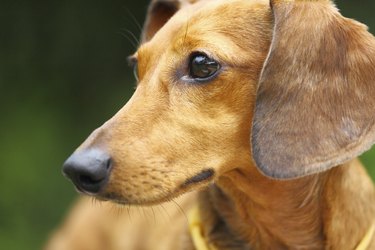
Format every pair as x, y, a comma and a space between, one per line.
206, 17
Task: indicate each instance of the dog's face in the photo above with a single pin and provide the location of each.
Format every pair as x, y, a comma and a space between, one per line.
188, 121
190, 118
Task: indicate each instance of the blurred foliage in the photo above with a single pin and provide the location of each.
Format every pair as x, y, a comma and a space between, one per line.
63, 72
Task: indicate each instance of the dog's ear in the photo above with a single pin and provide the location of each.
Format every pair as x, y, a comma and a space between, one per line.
159, 12
315, 106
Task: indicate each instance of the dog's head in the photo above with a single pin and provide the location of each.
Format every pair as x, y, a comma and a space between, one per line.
289, 84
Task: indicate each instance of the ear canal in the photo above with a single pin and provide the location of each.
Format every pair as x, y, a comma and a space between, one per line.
159, 12
315, 106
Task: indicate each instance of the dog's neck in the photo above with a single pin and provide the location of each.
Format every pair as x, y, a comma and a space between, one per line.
276, 213
268, 214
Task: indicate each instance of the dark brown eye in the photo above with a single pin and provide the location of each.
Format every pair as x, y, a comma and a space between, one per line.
201, 67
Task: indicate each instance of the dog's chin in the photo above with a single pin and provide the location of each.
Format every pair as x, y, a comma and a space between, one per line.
195, 183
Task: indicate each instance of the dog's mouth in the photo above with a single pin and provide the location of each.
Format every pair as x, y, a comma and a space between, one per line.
201, 177
198, 181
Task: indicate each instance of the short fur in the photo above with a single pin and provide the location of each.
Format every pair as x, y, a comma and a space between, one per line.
297, 78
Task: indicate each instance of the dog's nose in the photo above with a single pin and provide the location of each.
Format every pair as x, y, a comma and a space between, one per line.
89, 170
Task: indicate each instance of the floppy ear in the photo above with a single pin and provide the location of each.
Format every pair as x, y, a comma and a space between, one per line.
315, 106
159, 12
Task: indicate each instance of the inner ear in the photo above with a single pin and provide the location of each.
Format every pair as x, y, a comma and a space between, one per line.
159, 12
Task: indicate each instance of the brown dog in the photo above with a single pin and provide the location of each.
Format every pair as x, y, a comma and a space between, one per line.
294, 76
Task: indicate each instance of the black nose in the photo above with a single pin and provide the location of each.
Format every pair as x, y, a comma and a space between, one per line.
88, 169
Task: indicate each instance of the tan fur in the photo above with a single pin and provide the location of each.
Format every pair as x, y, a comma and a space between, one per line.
171, 130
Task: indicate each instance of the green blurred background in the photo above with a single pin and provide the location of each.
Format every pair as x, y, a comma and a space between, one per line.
63, 72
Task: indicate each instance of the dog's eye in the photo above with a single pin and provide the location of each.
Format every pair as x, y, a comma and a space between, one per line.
201, 67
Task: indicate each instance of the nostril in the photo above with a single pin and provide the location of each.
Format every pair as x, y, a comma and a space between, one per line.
109, 163
88, 180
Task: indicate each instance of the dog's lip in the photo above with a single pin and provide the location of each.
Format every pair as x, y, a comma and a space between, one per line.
203, 176
180, 190
83, 192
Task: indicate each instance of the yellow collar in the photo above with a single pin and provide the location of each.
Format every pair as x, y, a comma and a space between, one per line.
366, 241
196, 230
200, 243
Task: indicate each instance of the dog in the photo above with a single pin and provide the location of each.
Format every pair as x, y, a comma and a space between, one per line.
256, 111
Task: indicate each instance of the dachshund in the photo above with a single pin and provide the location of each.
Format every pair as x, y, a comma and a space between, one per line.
255, 110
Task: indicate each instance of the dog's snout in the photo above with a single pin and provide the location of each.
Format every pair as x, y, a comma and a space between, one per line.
89, 170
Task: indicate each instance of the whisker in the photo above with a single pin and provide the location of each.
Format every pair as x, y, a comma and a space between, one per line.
153, 213
181, 210
118, 212
93, 201
129, 214
129, 39
166, 212
161, 213
145, 215
139, 212
131, 34
134, 20
112, 209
